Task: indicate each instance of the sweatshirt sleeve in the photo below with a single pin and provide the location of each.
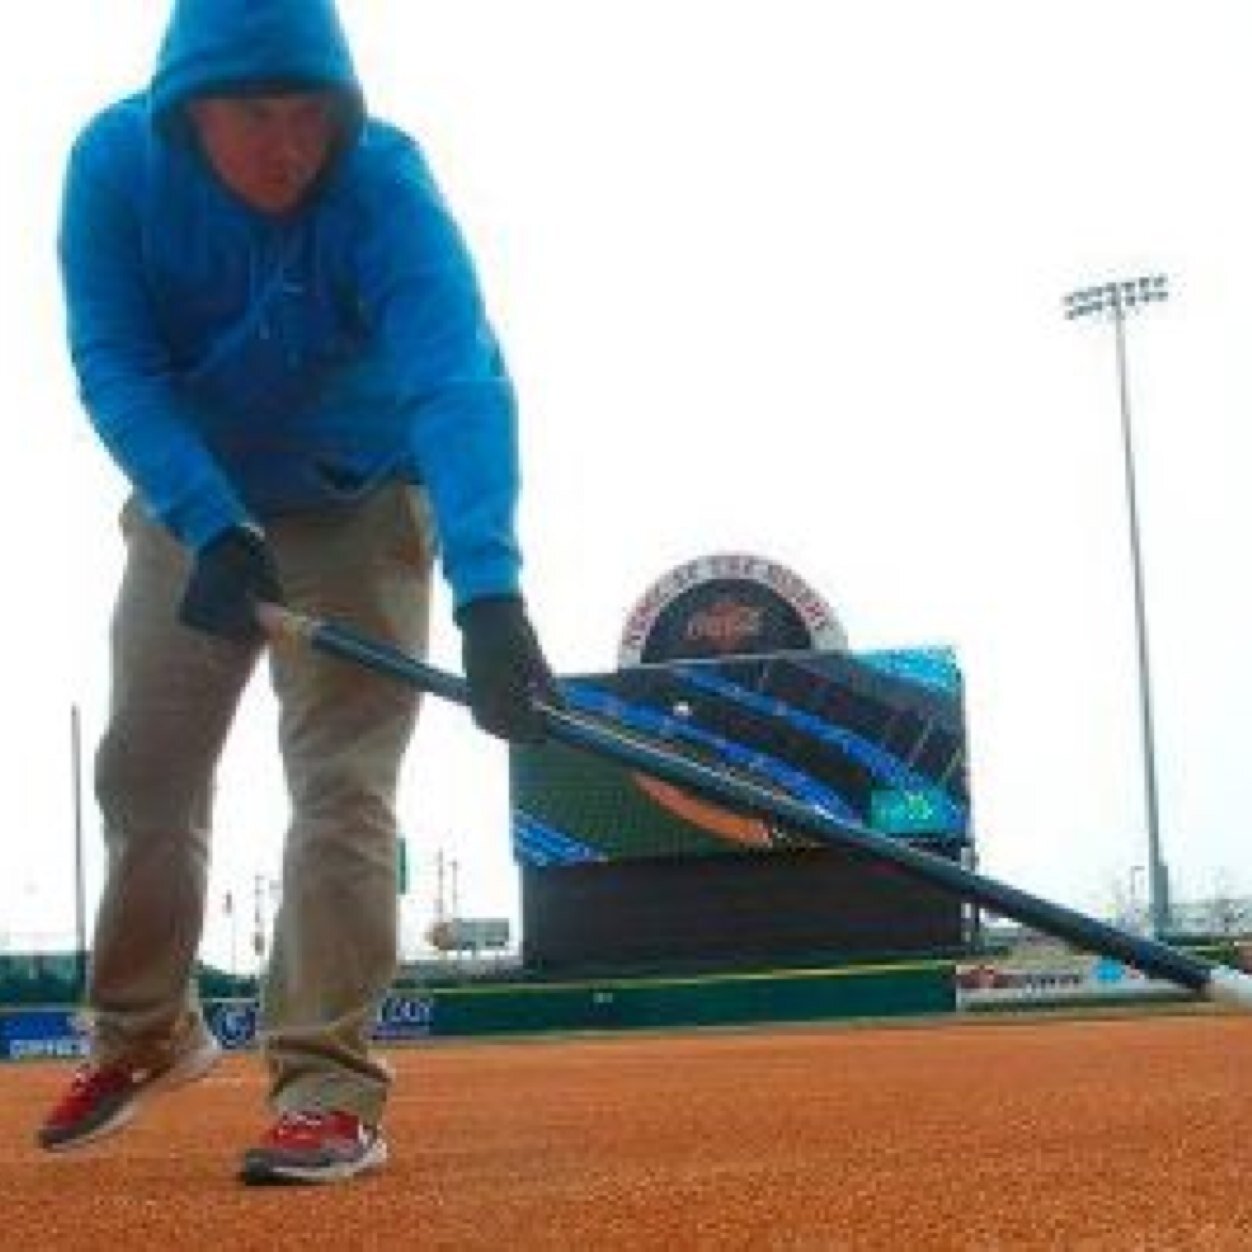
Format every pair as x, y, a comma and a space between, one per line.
125, 377
448, 371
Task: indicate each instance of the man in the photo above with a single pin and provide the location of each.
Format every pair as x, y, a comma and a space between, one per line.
279, 337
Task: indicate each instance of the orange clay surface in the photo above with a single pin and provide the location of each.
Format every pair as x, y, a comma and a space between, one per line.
1127, 1133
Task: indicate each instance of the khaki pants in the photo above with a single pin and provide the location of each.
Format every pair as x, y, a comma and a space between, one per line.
342, 735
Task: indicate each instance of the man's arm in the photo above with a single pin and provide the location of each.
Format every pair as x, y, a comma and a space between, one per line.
433, 341
125, 377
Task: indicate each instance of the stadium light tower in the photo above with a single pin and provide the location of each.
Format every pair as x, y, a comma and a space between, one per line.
1114, 302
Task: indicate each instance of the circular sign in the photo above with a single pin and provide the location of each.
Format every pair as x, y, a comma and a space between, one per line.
728, 604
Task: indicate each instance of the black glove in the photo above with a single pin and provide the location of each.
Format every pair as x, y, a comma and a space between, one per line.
230, 574
505, 668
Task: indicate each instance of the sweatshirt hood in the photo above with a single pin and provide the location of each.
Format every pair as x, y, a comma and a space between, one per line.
218, 47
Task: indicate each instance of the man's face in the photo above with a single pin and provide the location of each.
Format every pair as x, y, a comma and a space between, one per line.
267, 149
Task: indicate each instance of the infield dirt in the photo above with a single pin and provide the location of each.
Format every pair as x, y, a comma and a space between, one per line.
1095, 1135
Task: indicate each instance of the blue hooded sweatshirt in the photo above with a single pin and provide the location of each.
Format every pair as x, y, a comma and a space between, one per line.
240, 365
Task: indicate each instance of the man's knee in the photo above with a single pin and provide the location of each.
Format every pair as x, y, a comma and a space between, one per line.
332, 794
142, 786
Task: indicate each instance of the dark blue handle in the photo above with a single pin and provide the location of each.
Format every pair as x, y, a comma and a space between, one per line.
1148, 955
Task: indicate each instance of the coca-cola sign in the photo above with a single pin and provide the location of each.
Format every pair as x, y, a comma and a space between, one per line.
726, 604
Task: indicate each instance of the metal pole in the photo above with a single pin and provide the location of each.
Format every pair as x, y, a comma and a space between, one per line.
1158, 876
1116, 300
1138, 919
440, 910
80, 894
287, 629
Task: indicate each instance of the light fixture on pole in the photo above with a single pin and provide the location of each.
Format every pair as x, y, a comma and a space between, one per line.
1115, 301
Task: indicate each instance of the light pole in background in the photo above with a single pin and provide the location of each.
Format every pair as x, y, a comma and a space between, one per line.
1114, 302
80, 893
1136, 911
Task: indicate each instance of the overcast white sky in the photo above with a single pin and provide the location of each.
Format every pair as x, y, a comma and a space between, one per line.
783, 278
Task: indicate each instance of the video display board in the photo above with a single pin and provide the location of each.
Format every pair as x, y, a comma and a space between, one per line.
876, 738
620, 871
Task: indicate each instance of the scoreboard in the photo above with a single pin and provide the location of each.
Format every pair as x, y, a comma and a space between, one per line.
618, 867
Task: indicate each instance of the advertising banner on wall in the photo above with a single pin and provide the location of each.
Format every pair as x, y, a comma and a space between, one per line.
401, 1016
49, 1033
58, 1033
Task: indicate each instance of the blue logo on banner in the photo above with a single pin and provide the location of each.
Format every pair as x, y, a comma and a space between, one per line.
1107, 970
234, 1023
404, 1016
41, 1033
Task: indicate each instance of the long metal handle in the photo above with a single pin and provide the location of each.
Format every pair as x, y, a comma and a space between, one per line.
1147, 955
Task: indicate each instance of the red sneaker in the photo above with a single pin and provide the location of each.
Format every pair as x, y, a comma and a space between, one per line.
314, 1146
102, 1099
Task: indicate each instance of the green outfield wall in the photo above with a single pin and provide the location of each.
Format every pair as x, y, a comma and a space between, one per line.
413, 1014
709, 1000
